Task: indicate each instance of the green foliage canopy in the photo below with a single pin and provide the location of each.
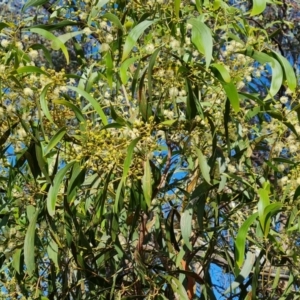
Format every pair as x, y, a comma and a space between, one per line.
128, 165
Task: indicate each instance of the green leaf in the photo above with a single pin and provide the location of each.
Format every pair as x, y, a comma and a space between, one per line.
269, 211
232, 94
93, 102
29, 244
128, 159
92, 79
76, 110
52, 251
54, 26
96, 9
112, 125
76, 180
245, 271
49, 36
240, 240
30, 211
288, 71
258, 7
62, 39
55, 140
168, 123
54, 188
146, 182
33, 3
45, 51
16, 260
6, 134
186, 224
223, 72
177, 287
41, 162
116, 117
263, 202
277, 73
177, 7
31, 69
126, 167
3, 25
114, 19
150, 70
44, 104
124, 67
133, 36
144, 102
200, 193
109, 68
202, 38
204, 167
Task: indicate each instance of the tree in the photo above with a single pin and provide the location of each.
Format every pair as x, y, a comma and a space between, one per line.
141, 144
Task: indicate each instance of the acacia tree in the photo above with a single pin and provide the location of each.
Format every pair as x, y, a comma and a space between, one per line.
137, 151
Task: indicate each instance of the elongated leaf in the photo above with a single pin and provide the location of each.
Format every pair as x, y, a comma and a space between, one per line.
114, 19
128, 159
199, 193
117, 118
202, 38
177, 287
288, 71
97, 8
232, 94
76, 180
112, 125
3, 25
150, 70
177, 7
29, 245
62, 39
277, 73
126, 167
243, 275
54, 188
94, 103
186, 224
16, 260
31, 3
30, 211
6, 134
54, 26
269, 211
134, 35
31, 69
41, 162
258, 7
93, 77
263, 202
277, 277
144, 104
30, 156
52, 251
55, 140
49, 36
223, 71
124, 67
76, 110
240, 240
204, 167
44, 104
109, 68
147, 184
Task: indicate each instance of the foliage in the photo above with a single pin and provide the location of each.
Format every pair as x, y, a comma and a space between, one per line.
141, 144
